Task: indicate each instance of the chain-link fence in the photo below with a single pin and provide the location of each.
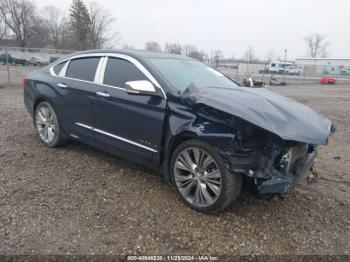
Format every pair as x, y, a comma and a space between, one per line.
17, 62
294, 74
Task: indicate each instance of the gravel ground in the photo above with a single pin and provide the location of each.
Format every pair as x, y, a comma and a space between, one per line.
79, 200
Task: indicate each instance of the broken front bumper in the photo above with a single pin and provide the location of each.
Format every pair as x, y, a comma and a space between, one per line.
279, 183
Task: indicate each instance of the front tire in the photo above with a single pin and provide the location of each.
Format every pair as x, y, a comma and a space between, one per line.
201, 179
47, 125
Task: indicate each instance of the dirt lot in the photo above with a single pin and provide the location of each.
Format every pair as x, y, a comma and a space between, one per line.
79, 200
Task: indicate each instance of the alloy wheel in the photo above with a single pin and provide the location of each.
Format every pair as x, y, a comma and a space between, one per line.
197, 177
46, 124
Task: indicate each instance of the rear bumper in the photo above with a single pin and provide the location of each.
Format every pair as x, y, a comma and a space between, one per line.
279, 183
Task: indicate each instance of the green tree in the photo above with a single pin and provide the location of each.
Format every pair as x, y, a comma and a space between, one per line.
80, 22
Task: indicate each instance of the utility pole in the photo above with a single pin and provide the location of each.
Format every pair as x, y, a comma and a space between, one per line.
250, 55
8, 67
285, 64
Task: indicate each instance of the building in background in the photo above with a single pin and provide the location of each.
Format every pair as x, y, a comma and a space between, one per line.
332, 66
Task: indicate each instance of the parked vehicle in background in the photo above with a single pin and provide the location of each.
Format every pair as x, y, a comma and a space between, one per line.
53, 59
293, 70
12, 59
328, 80
37, 61
344, 72
182, 118
274, 82
278, 67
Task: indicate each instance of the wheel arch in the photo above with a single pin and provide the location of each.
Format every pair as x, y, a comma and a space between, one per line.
173, 143
214, 139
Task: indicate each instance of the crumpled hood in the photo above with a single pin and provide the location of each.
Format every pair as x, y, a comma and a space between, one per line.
278, 114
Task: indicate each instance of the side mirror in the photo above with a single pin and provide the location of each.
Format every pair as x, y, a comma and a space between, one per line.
140, 87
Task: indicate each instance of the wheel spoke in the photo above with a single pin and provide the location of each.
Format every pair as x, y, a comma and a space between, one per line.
41, 116
188, 188
46, 133
206, 162
208, 199
213, 186
186, 159
180, 165
183, 178
45, 112
197, 156
51, 119
197, 195
202, 158
50, 133
39, 121
213, 174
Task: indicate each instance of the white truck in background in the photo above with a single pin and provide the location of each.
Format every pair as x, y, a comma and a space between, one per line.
280, 68
294, 70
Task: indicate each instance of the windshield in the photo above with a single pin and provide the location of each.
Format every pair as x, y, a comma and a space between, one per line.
183, 72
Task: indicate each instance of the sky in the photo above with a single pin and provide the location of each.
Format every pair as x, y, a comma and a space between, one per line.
229, 25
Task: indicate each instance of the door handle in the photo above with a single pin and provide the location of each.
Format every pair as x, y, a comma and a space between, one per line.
103, 94
62, 85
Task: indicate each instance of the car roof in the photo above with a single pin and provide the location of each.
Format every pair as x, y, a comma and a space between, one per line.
134, 53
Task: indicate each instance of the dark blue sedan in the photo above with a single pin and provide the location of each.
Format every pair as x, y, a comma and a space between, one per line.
184, 119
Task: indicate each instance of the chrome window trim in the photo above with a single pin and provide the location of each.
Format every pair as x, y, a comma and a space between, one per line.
132, 60
116, 137
103, 69
63, 71
98, 70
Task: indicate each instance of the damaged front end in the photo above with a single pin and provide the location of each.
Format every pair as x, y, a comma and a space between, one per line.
275, 138
272, 164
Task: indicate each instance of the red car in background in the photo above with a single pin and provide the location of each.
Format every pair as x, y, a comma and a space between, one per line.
328, 80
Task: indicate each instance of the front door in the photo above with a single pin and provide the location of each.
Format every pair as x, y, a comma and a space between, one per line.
129, 124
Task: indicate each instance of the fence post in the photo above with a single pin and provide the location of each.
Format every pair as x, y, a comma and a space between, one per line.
8, 67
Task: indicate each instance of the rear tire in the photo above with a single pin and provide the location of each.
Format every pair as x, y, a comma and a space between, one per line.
204, 171
47, 125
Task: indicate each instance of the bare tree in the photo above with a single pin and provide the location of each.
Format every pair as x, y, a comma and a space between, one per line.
3, 28
57, 25
173, 48
153, 47
39, 34
18, 16
130, 47
270, 55
217, 56
317, 45
249, 55
100, 30
188, 49
199, 55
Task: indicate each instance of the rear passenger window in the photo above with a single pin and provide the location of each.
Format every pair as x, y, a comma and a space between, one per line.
83, 68
118, 71
57, 69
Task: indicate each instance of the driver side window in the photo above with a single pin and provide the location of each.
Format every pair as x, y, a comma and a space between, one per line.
118, 71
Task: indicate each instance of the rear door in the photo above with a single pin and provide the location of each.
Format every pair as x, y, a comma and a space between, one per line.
128, 123
79, 90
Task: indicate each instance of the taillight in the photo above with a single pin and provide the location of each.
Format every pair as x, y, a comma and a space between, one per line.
24, 82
